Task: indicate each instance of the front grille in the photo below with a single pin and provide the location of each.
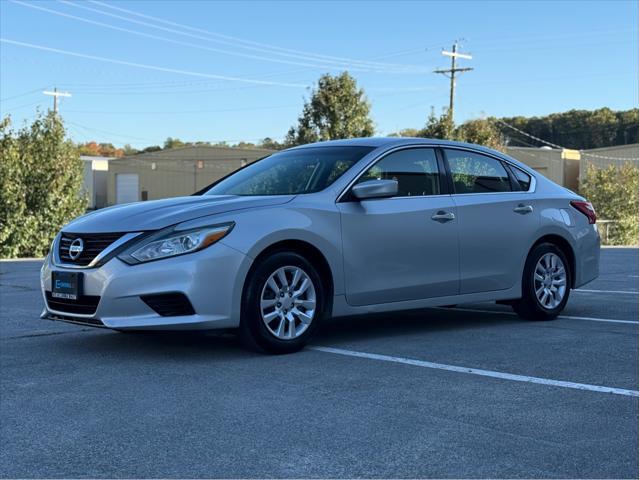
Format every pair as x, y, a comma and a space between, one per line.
84, 305
94, 244
173, 304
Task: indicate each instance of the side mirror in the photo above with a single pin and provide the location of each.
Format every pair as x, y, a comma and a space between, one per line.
375, 189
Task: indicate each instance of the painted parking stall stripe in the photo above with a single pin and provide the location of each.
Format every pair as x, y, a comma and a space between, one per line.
561, 317
623, 292
477, 371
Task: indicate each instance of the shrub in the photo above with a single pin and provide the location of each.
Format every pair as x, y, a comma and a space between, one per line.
40, 185
614, 192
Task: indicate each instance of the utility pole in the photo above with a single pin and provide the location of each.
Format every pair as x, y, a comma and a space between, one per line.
450, 73
55, 94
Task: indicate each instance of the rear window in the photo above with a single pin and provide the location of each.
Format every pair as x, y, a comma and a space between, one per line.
523, 178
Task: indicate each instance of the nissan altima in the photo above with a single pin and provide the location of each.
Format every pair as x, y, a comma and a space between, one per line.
329, 229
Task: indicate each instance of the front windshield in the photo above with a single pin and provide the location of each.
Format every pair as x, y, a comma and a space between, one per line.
291, 172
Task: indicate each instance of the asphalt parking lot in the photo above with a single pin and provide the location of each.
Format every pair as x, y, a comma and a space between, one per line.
467, 392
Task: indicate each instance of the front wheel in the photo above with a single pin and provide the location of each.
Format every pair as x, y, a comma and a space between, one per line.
284, 301
545, 284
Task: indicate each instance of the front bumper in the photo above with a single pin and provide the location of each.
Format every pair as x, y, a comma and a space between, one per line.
211, 279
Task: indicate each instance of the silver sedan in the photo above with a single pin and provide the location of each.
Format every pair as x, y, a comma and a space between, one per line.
331, 229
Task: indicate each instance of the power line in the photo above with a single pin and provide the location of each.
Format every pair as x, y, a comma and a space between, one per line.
149, 67
32, 104
180, 42
30, 92
172, 112
249, 44
121, 135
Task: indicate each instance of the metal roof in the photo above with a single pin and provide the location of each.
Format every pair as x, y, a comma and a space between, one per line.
198, 152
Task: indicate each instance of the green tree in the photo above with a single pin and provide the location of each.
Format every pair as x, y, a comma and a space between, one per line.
580, 129
337, 109
441, 126
129, 150
152, 148
40, 185
614, 192
270, 144
243, 144
407, 132
173, 143
482, 132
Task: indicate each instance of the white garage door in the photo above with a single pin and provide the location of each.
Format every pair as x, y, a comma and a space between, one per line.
126, 187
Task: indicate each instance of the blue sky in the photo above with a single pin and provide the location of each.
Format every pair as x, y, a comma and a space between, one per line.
240, 70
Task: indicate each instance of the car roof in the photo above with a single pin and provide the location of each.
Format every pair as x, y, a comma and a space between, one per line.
377, 142
388, 142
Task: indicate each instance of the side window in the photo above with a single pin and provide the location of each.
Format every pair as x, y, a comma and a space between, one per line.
522, 177
476, 173
414, 169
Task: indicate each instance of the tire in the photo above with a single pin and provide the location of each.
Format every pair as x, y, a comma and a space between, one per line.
270, 329
549, 284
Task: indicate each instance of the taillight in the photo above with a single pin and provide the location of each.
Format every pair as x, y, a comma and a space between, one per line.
587, 209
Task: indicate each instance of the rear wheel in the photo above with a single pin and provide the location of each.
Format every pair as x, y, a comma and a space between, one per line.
284, 301
545, 284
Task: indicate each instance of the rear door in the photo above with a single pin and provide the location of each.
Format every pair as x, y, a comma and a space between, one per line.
394, 249
497, 221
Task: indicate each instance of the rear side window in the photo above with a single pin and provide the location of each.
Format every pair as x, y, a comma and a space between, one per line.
414, 169
476, 173
523, 178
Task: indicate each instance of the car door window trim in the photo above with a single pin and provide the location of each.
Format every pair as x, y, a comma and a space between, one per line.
343, 195
533, 181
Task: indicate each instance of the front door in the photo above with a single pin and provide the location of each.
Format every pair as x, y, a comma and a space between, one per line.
404, 247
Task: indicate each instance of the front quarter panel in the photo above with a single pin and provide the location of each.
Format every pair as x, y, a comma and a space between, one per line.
305, 219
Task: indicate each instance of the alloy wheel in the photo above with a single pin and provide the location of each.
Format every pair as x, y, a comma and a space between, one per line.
550, 281
288, 302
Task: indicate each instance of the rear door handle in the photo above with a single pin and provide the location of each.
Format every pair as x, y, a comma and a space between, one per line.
523, 209
442, 216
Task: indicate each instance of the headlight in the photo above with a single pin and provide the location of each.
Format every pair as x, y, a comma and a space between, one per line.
172, 243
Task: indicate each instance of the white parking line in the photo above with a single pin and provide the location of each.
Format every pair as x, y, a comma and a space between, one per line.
567, 317
480, 372
582, 290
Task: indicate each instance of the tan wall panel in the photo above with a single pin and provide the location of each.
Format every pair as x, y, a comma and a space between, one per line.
182, 174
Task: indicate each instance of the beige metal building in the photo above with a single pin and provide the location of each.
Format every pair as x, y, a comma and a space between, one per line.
183, 171
94, 180
174, 172
567, 167
559, 165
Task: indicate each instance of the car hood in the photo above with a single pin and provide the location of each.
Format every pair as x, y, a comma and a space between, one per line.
157, 214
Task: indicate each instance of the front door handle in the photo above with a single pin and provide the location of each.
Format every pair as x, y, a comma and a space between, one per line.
442, 216
523, 209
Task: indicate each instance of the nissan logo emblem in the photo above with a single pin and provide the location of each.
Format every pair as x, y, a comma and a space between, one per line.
75, 249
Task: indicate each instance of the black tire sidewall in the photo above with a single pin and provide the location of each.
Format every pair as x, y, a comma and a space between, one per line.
253, 330
530, 306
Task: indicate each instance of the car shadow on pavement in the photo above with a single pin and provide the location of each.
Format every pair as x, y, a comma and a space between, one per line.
408, 323
225, 345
